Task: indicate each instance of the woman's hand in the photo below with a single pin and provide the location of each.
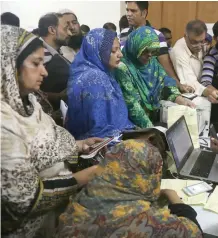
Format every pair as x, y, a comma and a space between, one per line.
84, 145
184, 88
84, 176
171, 195
184, 101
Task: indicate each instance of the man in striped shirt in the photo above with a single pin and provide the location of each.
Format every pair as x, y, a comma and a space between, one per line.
209, 77
136, 14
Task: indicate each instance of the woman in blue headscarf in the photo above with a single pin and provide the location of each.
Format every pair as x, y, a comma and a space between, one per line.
96, 104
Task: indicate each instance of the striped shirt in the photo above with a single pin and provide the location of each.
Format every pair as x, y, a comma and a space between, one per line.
210, 67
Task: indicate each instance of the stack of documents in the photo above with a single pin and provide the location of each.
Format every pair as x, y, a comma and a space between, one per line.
210, 203
175, 112
179, 184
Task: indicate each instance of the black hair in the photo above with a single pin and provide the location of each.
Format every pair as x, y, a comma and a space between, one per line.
9, 18
50, 19
123, 23
85, 28
110, 26
142, 5
165, 30
215, 29
31, 47
35, 31
197, 27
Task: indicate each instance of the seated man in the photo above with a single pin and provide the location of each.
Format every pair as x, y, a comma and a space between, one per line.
168, 36
110, 26
136, 14
54, 31
209, 77
187, 56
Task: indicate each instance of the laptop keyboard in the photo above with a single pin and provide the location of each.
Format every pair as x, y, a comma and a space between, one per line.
203, 164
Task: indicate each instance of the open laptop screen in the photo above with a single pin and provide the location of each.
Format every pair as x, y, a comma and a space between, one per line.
179, 141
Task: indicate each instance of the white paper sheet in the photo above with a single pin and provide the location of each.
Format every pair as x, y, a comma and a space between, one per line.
63, 108
179, 184
208, 220
175, 112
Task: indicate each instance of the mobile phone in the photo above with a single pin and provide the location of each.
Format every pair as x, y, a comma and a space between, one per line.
189, 95
213, 132
197, 188
100, 144
96, 147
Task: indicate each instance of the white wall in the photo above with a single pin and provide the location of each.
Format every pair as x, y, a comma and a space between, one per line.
92, 13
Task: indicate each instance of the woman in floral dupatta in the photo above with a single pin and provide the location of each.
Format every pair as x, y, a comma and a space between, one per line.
121, 200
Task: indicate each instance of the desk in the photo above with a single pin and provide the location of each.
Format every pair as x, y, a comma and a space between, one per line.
208, 220
203, 112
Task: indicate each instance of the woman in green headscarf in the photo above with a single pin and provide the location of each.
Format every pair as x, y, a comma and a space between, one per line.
143, 81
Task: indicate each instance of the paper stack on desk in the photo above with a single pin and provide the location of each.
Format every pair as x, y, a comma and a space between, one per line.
212, 203
175, 112
179, 184
200, 199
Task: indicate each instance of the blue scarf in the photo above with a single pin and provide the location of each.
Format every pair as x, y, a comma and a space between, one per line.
96, 104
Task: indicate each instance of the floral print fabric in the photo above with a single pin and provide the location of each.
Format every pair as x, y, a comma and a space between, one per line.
118, 202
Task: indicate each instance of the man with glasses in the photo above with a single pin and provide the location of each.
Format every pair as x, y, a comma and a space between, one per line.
187, 56
168, 36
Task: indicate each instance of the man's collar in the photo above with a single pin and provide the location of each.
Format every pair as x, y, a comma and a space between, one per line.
49, 48
200, 54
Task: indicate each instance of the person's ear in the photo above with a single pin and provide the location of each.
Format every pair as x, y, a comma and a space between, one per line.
51, 30
144, 13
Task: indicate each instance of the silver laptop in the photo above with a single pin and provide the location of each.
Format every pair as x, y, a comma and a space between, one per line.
190, 162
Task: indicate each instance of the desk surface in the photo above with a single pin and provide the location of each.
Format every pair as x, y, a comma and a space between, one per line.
208, 220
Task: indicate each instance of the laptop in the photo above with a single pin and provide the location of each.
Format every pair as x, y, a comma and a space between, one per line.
190, 162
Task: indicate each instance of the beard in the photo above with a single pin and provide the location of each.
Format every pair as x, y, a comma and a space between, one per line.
75, 41
61, 42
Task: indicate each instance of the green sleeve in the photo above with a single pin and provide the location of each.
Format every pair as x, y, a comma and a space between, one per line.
136, 112
174, 93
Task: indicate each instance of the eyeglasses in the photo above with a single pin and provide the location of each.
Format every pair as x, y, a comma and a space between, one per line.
197, 43
153, 52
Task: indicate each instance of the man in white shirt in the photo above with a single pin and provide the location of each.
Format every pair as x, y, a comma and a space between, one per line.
187, 57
